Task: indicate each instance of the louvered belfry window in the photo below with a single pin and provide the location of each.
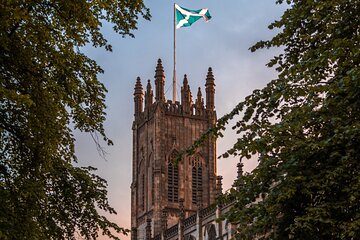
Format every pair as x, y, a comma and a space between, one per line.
173, 179
196, 174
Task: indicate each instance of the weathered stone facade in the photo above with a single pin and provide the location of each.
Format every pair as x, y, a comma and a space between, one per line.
163, 192
203, 225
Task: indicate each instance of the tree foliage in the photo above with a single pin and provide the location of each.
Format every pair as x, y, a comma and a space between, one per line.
46, 85
305, 128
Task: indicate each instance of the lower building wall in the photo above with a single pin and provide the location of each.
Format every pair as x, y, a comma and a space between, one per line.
202, 226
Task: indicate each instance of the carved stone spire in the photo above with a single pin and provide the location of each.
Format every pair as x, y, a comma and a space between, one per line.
210, 90
159, 82
138, 97
199, 101
185, 82
148, 95
240, 172
186, 98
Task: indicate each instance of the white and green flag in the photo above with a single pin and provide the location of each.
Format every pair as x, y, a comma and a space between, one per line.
186, 17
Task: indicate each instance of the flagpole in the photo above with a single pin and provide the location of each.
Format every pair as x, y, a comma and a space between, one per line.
174, 71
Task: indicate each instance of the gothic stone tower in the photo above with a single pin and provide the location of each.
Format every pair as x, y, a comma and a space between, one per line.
160, 130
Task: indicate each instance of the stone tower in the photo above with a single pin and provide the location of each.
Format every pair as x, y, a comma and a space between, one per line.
160, 130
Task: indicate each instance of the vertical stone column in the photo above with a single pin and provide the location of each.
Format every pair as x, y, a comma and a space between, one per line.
163, 224
157, 203
199, 216
218, 207
211, 114
219, 223
148, 229
181, 220
218, 186
133, 233
138, 99
133, 186
199, 225
159, 168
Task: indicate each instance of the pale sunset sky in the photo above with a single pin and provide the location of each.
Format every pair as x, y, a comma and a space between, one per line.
222, 43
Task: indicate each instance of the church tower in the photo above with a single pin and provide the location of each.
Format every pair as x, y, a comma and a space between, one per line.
161, 190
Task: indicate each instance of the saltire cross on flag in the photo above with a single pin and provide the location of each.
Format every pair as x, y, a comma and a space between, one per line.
183, 18
186, 17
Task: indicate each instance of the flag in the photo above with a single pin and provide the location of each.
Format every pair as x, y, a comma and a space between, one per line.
186, 17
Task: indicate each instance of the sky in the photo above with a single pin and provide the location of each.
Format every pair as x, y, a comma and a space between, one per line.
222, 43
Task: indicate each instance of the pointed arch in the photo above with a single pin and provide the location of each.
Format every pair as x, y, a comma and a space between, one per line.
211, 232
189, 237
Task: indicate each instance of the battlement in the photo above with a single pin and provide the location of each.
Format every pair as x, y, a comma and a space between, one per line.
178, 109
145, 104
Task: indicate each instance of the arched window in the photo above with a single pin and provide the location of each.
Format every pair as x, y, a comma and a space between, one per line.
211, 231
173, 178
190, 237
196, 174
